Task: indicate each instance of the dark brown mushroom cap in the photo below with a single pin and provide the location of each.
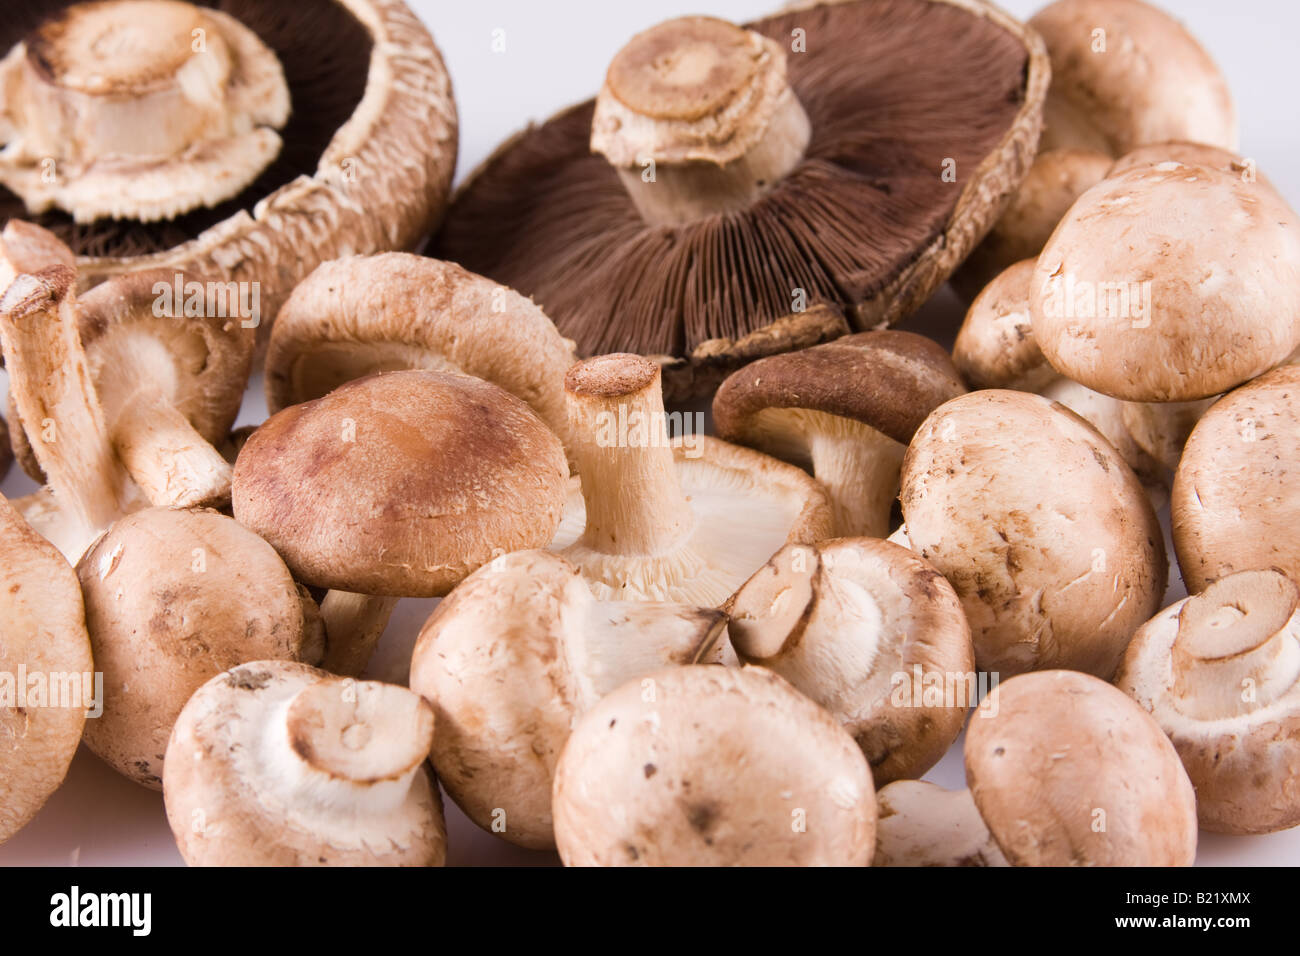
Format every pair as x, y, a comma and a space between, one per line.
888, 380
864, 223
401, 483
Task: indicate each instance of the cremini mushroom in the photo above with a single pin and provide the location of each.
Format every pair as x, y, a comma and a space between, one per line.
173, 598
513, 657
1194, 154
278, 764
357, 316
873, 634
684, 520
733, 192
1040, 527
46, 674
1067, 771
712, 766
846, 410
1234, 503
1220, 673
398, 485
921, 824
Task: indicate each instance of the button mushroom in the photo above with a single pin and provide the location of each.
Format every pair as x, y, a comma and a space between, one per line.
870, 632
513, 657
735, 192
1220, 673
685, 521
922, 824
279, 764
1040, 527
712, 766
172, 599
847, 410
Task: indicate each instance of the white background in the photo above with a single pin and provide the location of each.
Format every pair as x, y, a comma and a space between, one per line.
555, 54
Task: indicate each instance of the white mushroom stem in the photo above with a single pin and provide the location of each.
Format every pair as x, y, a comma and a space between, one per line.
1238, 646
860, 470
354, 623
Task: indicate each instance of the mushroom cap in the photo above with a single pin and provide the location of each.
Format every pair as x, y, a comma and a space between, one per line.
367, 163
173, 598
1068, 771
922, 824
1041, 528
356, 316
42, 637
275, 763
863, 226
1244, 762
1189, 154
1144, 293
860, 626
401, 483
1234, 505
1152, 83
712, 766
995, 346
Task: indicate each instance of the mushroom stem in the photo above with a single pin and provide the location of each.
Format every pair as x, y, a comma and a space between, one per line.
634, 500
354, 623
862, 475
1238, 645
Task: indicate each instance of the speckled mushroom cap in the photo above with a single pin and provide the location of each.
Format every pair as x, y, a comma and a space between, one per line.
1189, 154
995, 346
513, 657
278, 764
712, 766
1169, 283
356, 316
922, 824
42, 633
401, 483
1234, 503
1220, 673
173, 598
1068, 771
369, 152
1125, 73
863, 627
1040, 527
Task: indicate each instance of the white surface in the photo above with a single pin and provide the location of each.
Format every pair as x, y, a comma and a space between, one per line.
555, 54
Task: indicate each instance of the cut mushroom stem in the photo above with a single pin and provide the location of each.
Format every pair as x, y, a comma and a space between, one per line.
860, 470
354, 623
1236, 650
697, 116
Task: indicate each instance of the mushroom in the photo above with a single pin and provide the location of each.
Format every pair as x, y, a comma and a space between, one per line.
45, 671
1067, 771
357, 316
513, 657
368, 153
275, 763
1220, 673
172, 599
1234, 505
1142, 294
847, 410
1189, 154
397, 485
735, 192
712, 766
922, 824
686, 520
871, 633
1124, 74
1039, 526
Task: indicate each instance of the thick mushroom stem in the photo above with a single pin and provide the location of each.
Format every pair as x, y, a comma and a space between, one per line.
635, 503
698, 118
354, 623
1238, 645
861, 472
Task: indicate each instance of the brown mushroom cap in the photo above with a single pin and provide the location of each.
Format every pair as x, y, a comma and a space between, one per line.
862, 222
712, 766
873, 634
278, 764
357, 316
1125, 73
995, 346
1220, 673
43, 643
1068, 771
172, 599
1040, 527
1144, 291
1234, 502
1189, 154
401, 483
922, 824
